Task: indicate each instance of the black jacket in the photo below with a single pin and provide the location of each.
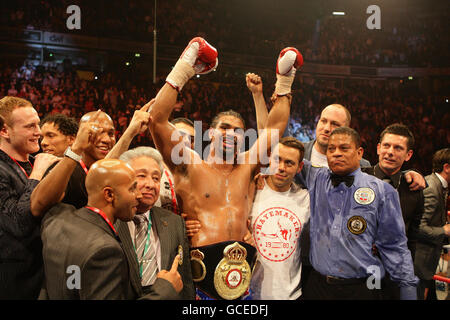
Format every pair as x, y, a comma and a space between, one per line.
411, 203
21, 271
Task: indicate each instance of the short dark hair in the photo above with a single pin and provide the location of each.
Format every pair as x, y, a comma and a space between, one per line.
230, 112
440, 158
349, 132
401, 130
292, 142
68, 126
182, 120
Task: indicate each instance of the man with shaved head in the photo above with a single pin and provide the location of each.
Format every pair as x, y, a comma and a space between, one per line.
83, 257
65, 181
332, 117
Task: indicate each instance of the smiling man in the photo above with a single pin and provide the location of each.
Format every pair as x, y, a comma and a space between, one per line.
214, 189
58, 133
20, 244
66, 180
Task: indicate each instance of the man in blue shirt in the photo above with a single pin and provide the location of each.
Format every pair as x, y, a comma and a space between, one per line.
350, 212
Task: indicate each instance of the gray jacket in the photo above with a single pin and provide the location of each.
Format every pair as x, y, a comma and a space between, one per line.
431, 235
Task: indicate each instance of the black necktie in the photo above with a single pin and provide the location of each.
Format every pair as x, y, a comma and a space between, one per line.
336, 180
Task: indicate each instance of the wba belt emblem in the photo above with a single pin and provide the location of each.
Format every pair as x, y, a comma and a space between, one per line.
233, 274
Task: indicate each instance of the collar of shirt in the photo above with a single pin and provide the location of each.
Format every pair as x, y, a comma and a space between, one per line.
354, 173
444, 183
394, 178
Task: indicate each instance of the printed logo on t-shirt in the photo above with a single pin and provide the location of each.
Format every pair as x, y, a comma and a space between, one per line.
276, 231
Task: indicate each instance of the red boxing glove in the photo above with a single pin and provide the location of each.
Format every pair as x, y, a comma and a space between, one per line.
288, 59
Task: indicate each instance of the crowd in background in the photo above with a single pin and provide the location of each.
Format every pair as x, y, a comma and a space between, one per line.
373, 104
235, 27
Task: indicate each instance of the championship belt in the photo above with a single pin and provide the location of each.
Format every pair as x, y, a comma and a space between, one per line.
233, 274
222, 270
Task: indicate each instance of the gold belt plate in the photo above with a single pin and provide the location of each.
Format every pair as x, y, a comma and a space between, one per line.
232, 275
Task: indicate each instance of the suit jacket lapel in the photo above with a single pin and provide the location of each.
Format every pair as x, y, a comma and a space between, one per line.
127, 245
162, 230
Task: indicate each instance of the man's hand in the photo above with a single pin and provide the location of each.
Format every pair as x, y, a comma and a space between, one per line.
260, 181
415, 180
192, 226
173, 276
447, 230
41, 164
87, 134
254, 83
141, 119
248, 238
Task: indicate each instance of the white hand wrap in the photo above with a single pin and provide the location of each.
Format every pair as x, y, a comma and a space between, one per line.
180, 74
284, 83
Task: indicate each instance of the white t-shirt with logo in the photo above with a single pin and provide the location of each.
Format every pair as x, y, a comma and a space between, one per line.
318, 159
277, 222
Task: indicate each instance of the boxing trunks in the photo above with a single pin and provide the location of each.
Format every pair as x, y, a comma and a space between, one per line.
222, 270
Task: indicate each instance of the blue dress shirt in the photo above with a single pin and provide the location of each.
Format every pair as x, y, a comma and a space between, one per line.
347, 221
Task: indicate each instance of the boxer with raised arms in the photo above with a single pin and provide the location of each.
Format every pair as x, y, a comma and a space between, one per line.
214, 191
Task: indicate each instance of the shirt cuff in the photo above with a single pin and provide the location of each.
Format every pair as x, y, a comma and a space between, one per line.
408, 293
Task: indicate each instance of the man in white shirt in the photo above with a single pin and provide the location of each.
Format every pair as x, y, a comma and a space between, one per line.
279, 212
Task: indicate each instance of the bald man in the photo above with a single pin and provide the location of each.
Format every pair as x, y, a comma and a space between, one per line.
83, 258
65, 181
332, 117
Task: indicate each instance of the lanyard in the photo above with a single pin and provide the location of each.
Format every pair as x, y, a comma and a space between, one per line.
174, 199
23, 170
103, 215
83, 165
147, 243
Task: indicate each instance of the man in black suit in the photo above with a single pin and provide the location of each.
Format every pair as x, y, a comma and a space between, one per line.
164, 229
394, 149
433, 229
20, 246
83, 256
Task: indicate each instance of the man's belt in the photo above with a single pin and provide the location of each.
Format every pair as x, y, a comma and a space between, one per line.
340, 281
223, 270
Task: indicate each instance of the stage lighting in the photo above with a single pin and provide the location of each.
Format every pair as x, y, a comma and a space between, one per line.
338, 13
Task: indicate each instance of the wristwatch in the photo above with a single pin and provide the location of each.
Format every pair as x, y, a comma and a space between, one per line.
72, 155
